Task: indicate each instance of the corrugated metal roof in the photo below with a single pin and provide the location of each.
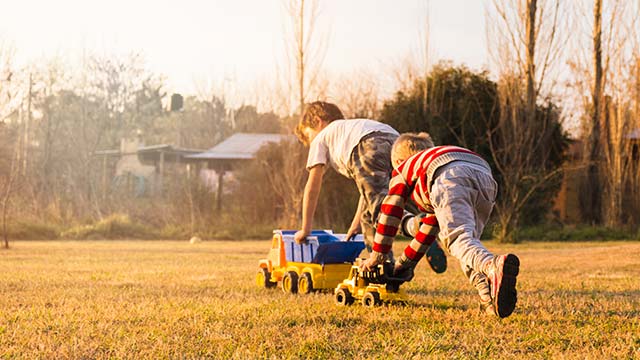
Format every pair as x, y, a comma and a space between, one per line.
240, 146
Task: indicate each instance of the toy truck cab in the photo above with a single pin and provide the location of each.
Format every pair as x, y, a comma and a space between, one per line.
371, 288
318, 264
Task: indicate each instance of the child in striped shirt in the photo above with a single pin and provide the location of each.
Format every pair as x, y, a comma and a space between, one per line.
456, 190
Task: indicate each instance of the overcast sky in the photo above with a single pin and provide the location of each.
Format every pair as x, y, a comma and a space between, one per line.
192, 41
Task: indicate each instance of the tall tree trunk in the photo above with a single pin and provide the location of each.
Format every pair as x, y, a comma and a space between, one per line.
594, 201
531, 67
301, 51
7, 194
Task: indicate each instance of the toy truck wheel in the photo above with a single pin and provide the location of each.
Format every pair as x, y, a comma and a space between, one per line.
305, 283
290, 282
343, 297
371, 299
263, 279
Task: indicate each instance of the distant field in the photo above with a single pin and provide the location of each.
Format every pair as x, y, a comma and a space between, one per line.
168, 299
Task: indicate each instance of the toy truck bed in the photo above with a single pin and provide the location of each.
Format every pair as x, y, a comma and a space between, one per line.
320, 263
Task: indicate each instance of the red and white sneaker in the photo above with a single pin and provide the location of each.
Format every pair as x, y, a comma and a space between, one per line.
502, 273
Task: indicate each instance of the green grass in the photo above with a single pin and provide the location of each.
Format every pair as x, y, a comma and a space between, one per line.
576, 233
169, 299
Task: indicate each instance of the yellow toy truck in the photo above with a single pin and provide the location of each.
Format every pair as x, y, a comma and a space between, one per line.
320, 263
371, 288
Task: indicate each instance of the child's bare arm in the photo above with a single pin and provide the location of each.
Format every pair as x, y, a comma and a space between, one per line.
310, 201
355, 227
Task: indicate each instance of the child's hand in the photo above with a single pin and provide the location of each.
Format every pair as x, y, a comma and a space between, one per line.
353, 231
372, 262
300, 236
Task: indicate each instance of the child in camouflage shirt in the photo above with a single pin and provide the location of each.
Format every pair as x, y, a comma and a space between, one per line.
359, 149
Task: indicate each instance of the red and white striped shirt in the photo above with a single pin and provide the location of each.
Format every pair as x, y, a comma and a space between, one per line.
412, 180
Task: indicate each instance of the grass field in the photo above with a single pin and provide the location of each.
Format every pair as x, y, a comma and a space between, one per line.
167, 299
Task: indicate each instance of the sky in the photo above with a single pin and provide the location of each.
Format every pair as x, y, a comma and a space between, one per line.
236, 43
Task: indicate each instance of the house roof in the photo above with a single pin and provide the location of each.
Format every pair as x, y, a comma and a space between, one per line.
239, 146
149, 149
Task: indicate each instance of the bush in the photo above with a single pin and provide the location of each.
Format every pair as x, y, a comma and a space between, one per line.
116, 226
32, 231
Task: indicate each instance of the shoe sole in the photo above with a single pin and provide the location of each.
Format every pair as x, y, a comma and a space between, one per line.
507, 294
436, 258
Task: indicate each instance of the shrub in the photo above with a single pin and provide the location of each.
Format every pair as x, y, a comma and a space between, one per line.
32, 231
115, 226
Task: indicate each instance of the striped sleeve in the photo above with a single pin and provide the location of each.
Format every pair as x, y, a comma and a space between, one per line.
391, 212
424, 238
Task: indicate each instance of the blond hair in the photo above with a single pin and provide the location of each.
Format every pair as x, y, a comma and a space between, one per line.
409, 144
313, 113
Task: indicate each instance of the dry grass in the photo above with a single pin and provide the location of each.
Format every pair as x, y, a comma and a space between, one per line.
153, 299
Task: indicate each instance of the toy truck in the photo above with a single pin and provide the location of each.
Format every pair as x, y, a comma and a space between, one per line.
371, 288
320, 263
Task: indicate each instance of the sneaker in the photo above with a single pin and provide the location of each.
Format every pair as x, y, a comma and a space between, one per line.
486, 307
403, 273
436, 258
502, 274
481, 283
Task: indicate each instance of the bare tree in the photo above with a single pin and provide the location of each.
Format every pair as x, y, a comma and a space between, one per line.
613, 110
8, 142
592, 195
305, 53
286, 175
7, 188
604, 76
357, 95
525, 43
305, 50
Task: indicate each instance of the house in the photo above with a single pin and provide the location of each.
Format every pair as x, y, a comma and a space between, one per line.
140, 168
231, 153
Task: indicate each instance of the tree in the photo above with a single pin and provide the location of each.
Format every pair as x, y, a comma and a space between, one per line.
305, 53
603, 82
357, 95
265, 188
7, 189
463, 108
592, 198
248, 120
304, 50
526, 45
8, 137
285, 171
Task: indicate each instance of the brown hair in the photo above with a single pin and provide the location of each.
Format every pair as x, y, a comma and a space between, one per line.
313, 113
319, 109
298, 131
408, 144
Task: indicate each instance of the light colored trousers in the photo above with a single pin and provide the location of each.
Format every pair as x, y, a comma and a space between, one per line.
463, 195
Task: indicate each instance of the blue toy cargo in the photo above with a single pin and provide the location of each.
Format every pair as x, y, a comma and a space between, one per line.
322, 247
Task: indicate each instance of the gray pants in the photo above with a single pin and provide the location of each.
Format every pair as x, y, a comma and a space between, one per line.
463, 196
370, 167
